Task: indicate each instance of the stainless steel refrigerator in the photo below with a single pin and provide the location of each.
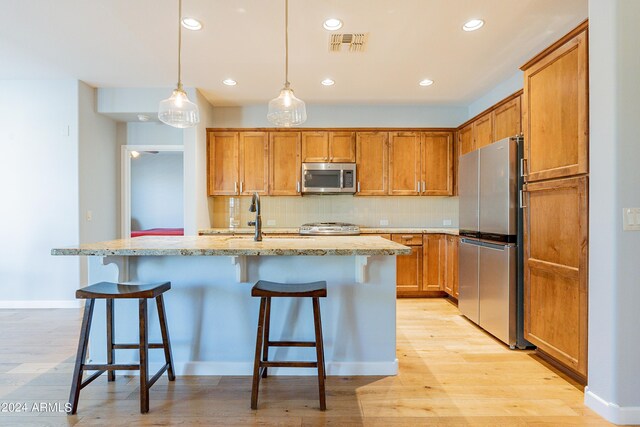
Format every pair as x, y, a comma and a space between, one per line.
490, 263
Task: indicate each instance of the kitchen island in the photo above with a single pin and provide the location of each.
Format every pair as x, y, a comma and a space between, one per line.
212, 318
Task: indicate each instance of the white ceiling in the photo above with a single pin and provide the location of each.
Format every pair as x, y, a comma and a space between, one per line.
133, 43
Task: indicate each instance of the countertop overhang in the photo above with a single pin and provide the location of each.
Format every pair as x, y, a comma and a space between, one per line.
239, 246
364, 230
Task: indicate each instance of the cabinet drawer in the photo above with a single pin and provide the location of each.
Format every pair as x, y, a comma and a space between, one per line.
407, 239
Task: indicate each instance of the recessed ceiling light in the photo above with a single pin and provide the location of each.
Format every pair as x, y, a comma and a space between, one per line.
143, 117
191, 24
229, 82
426, 82
473, 24
332, 24
328, 82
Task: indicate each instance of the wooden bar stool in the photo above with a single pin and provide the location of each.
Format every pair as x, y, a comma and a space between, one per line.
267, 290
110, 291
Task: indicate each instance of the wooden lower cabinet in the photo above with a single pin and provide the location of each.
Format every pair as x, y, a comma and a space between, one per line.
451, 269
555, 270
434, 262
409, 267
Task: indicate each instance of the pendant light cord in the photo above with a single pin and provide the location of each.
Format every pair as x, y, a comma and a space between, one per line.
286, 43
179, 44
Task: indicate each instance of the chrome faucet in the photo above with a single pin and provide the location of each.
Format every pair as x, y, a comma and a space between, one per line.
255, 207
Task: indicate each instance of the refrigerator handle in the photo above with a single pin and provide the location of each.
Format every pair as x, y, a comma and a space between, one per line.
522, 205
470, 242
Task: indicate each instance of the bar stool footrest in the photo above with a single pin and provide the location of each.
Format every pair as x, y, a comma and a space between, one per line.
289, 364
113, 367
134, 346
91, 378
291, 344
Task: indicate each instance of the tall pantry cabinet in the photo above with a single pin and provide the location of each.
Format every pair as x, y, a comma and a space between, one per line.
555, 123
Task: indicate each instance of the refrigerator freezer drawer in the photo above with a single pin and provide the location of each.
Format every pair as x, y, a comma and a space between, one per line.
468, 302
497, 291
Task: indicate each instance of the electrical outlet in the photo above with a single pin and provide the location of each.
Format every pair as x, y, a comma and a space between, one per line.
446, 222
89, 215
631, 219
384, 222
271, 222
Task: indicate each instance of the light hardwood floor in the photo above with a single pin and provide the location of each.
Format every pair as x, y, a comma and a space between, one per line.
451, 374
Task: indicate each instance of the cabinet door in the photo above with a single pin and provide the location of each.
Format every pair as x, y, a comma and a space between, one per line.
451, 269
342, 147
222, 151
555, 113
466, 143
254, 162
437, 164
284, 163
506, 120
555, 269
409, 271
483, 131
315, 147
404, 163
372, 163
434, 262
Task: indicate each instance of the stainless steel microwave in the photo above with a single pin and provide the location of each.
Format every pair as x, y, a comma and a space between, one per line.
328, 178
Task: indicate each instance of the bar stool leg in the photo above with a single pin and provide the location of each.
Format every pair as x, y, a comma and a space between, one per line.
265, 350
256, 359
111, 375
319, 353
144, 356
81, 355
165, 337
322, 341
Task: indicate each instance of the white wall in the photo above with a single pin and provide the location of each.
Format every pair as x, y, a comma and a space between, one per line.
152, 133
498, 93
614, 348
348, 116
40, 194
157, 191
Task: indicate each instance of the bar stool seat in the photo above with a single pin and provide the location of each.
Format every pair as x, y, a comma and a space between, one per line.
110, 291
267, 290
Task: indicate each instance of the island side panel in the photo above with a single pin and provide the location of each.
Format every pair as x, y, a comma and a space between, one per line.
212, 318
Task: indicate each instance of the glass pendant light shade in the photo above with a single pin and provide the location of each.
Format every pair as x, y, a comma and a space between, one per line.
178, 111
286, 110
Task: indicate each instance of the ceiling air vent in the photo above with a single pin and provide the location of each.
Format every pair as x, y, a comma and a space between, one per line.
354, 42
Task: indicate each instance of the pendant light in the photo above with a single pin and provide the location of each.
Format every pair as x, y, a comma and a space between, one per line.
286, 110
177, 110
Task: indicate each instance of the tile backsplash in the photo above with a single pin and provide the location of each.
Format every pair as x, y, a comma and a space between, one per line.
364, 211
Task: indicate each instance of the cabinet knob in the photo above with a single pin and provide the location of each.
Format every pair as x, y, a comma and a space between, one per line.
235, 187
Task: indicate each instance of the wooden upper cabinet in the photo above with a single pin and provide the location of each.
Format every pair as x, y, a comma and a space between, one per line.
342, 147
253, 162
223, 152
466, 143
434, 253
506, 120
284, 163
483, 131
404, 163
372, 163
437, 164
315, 147
555, 269
334, 147
555, 111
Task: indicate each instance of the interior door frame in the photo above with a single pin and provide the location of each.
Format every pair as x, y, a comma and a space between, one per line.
125, 180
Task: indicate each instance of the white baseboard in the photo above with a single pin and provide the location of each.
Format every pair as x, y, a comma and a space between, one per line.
610, 411
41, 304
246, 368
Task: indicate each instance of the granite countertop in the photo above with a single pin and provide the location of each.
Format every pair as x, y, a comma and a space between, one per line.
238, 245
363, 230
